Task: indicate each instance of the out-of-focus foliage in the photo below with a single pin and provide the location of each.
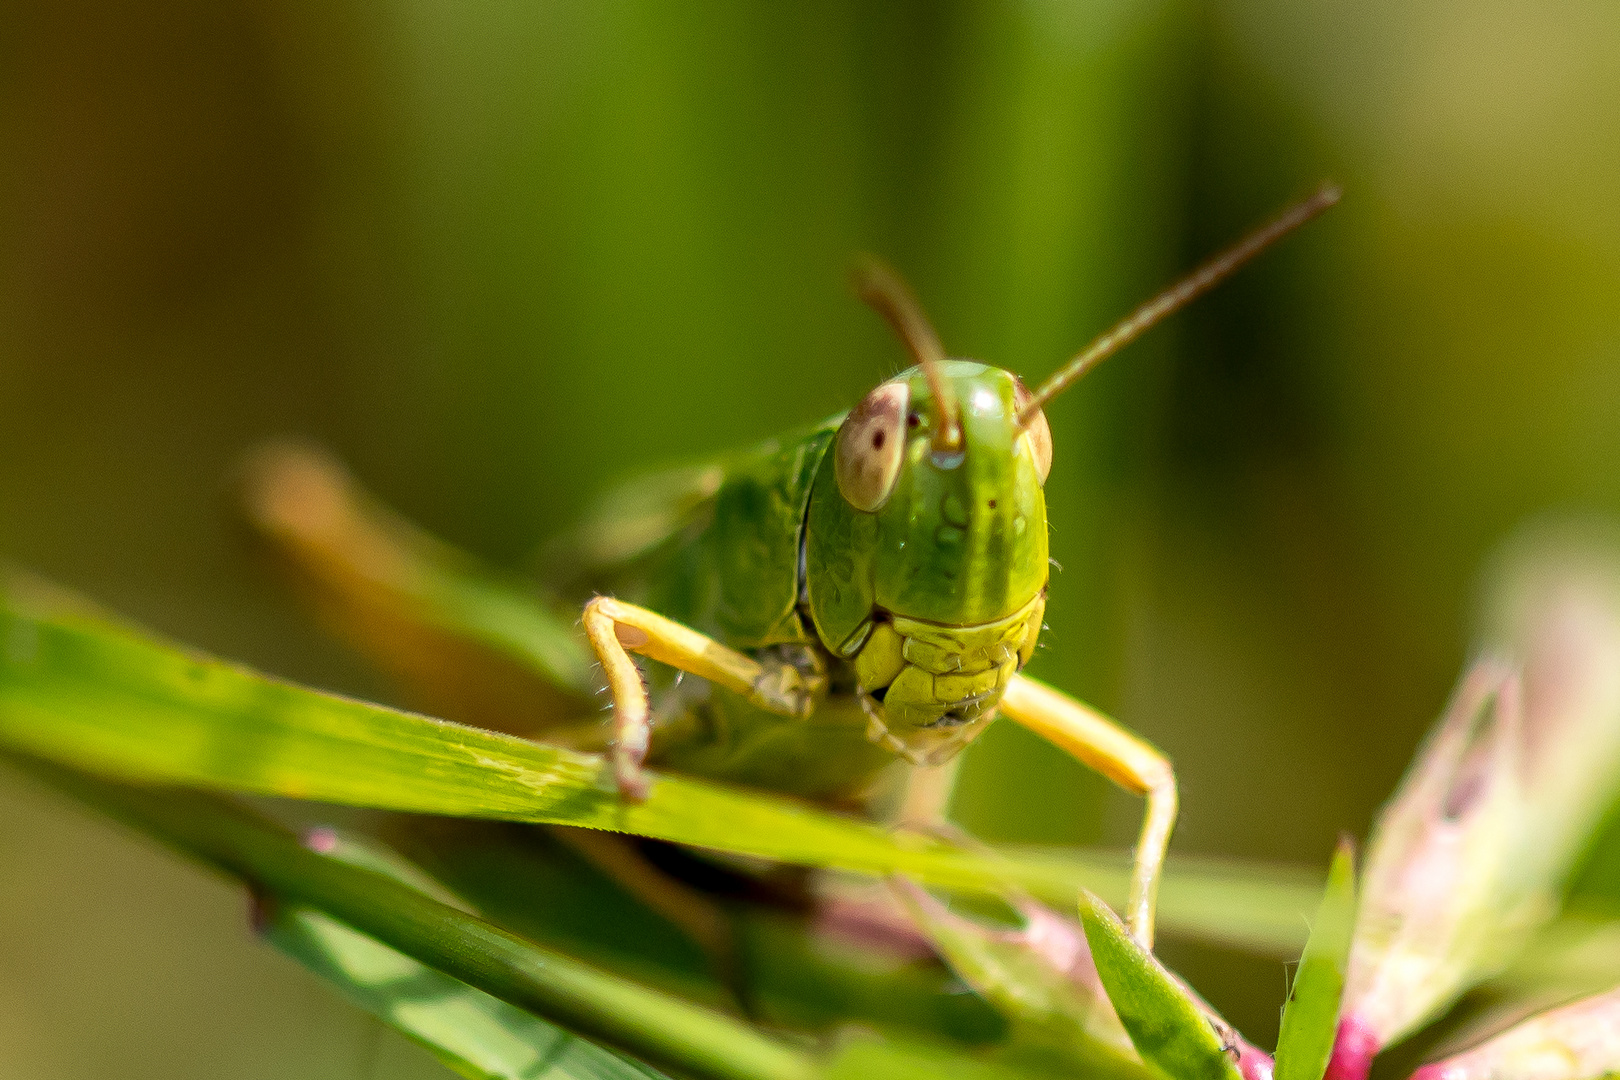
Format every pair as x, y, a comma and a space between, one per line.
1574, 1042
498, 254
1040, 976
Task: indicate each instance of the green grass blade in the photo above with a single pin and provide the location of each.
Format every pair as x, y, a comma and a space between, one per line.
82, 689
354, 908
1169, 1028
581, 999
1311, 1017
478, 1036
78, 688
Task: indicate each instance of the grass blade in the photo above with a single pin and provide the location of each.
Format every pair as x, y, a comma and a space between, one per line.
82, 689
1311, 1017
582, 999
78, 688
1174, 1034
478, 1036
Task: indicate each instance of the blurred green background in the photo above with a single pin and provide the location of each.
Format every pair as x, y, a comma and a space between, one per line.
498, 254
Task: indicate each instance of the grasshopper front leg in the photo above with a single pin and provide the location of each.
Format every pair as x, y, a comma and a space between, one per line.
1101, 744
616, 629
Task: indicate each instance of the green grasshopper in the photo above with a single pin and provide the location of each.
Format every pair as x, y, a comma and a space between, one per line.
851, 601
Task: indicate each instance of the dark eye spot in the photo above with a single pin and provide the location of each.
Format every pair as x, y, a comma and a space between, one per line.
992, 504
913, 420
877, 440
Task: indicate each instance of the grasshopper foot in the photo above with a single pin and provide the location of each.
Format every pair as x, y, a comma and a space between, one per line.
790, 683
628, 754
782, 690
631, 779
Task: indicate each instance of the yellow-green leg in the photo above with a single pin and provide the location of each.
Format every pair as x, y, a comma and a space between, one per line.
926, 798
617, 629
1103, 745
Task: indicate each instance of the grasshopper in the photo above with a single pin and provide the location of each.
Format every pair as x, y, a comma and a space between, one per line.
823, 611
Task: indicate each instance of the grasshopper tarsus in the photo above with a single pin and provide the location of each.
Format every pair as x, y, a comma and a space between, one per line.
630, 778
784, 689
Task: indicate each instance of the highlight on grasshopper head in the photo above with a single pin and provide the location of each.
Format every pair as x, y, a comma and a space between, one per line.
1178, 296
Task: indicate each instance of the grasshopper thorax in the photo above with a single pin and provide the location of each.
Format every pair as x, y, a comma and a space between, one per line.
926, 563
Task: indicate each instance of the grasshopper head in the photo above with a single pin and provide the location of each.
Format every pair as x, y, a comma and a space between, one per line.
925, 543
925, 556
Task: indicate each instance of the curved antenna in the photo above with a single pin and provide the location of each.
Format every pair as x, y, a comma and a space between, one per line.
880, 287
1178, 296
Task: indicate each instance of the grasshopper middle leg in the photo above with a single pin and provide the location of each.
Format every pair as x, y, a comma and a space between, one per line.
616, 629
1131, 763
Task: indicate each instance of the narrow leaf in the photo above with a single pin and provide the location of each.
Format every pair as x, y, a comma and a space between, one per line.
76, 687
1311, 1017
1177, 1038
478, 1036
85, 690
576, 996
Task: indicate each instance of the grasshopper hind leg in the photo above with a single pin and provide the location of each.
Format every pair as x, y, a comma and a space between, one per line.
1101, 744
925, 798
462, 641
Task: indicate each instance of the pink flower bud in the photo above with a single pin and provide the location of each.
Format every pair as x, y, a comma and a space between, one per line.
1471, 855
1576, 1042
1440, 907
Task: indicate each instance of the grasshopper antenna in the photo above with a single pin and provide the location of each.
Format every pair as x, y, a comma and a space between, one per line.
881, 288
1178, 296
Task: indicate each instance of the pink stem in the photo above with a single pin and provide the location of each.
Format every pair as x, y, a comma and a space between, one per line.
1353, 1051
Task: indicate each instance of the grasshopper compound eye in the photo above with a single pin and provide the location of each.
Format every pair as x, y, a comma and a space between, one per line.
871, 444
1035, 430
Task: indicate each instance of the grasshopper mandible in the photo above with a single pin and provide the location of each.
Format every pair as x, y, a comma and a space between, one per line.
852, 599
